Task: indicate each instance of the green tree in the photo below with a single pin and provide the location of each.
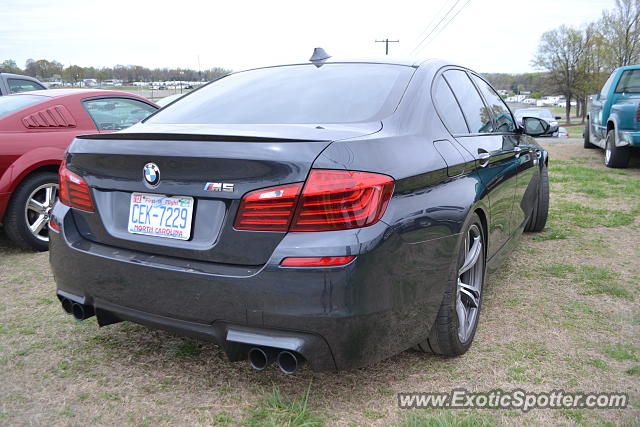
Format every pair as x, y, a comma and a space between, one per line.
10, 66
620, 30
560, 53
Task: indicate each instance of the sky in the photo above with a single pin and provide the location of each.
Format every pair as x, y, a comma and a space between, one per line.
486, 35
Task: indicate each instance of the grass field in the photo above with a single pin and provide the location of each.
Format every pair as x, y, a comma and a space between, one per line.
563, 313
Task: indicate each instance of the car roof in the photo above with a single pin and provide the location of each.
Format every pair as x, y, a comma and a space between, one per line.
80, 93
408, 62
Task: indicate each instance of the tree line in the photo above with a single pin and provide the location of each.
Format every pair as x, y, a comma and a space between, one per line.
577, 61
53, 70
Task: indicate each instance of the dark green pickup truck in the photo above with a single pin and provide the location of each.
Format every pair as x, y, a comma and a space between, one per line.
613, 122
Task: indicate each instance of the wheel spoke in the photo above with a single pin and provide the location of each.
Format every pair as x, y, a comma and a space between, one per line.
36, 206
473, 299
462, 319
472, 256
50, 196
38, 224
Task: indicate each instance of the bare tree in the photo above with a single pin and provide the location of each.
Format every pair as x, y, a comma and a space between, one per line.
560, 53
620, 29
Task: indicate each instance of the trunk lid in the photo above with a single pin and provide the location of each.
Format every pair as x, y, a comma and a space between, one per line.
188, 157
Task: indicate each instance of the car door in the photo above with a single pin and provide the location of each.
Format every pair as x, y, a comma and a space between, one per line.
110, 113
526, 153
597, 119
496, 162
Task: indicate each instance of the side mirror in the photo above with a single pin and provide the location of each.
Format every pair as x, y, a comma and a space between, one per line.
534, 126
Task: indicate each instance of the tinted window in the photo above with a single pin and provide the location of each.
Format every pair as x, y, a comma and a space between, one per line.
20, 85
332, 93
477, 115
11, 104
501, 114
629, 82
117, 113
448, 108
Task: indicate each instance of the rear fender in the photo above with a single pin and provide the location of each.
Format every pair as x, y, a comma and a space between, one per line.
27, 163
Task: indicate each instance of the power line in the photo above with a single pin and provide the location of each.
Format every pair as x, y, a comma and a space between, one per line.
445, 25
436, 26
435, 16
386, 44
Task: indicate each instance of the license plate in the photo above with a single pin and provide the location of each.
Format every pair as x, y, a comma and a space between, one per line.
161, 216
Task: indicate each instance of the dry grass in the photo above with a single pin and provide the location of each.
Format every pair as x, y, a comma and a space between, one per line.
564, 312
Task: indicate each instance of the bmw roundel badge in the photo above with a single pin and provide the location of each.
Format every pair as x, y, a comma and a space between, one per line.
151, 174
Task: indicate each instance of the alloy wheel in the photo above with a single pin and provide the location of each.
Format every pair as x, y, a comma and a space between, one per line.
469, 288
37, 210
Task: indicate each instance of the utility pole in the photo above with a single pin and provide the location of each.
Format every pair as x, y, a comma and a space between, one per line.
386, 44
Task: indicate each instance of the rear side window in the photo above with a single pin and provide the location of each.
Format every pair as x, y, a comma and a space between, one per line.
117, 113
331, 93
476, 113
629, 82
501, 114
10, 104
21, 85
448, 108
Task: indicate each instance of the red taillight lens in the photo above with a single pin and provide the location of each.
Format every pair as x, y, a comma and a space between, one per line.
330, 200
638, 114
74, 191
325, 261
268, 209
338, 200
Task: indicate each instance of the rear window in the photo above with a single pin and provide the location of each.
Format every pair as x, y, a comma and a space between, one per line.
10, 104
629, 82
331, 93
22, 85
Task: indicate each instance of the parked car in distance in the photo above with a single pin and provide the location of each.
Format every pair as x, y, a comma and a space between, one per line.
541, 113
562, 133
35, 130
17, 83
613, 122
333, 212
169, 99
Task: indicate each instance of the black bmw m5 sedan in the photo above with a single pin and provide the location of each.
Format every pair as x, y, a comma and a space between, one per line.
329, 212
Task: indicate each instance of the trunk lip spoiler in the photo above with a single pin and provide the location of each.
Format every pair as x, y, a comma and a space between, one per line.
194, 137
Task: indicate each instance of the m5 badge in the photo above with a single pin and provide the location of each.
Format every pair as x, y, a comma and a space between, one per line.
218, 186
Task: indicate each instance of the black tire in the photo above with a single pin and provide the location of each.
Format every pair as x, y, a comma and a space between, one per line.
444, 337
15, 220
615, 157
587, 142
538, 218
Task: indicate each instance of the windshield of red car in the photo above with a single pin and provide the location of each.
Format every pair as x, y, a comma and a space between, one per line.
12, 103
330, 93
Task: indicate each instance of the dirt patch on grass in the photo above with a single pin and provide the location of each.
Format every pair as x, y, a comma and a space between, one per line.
553, 318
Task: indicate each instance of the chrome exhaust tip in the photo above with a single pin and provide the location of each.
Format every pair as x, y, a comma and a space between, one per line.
261, 358
289, 362
81, 311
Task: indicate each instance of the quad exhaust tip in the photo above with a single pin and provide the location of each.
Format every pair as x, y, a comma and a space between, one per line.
77, 310
261, 357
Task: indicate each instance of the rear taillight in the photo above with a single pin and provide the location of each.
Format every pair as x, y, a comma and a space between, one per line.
330, 200
337, 200
74, 191
269, 209
638, 114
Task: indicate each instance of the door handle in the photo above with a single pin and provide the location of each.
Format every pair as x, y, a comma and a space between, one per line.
483, 157
518, 151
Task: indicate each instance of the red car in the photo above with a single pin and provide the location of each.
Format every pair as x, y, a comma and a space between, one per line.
35, 130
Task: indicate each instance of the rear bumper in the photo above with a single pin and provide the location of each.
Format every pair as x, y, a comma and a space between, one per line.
628, 138
345, 317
